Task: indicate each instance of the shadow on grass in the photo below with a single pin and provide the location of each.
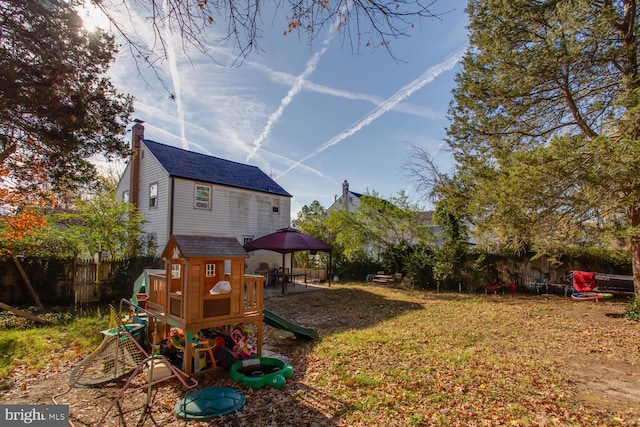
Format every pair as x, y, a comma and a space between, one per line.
336, 310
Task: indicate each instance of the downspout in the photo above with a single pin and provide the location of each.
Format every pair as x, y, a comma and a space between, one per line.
171, 206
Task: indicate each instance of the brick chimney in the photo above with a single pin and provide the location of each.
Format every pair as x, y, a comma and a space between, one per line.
345, 194
137, 133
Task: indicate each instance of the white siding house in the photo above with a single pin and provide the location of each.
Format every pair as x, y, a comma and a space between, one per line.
187, 193
348, 200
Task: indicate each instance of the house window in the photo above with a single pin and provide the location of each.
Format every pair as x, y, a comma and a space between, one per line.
175, 271
202, 198
246, 240
210, 270
125, 196
153, 195
276, 206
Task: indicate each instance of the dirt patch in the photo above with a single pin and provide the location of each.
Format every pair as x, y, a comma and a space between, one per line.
608, 375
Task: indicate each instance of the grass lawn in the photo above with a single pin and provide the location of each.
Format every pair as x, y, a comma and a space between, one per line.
391, 357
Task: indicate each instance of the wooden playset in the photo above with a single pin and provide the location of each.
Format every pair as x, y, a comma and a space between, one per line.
204, 286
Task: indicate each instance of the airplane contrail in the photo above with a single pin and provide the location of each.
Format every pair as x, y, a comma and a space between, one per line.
406, 91
286, 78
311, 66
175, 79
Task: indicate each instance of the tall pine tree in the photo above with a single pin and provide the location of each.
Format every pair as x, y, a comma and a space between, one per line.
544, 124
57, 107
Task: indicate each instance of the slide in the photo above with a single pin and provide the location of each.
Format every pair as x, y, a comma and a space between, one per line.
272, 319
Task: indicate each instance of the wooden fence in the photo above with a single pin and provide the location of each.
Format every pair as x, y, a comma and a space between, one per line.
71, 281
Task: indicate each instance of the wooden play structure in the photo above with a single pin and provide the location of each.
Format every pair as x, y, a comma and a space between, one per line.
204, 286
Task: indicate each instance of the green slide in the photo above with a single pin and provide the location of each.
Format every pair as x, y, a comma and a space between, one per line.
272, 319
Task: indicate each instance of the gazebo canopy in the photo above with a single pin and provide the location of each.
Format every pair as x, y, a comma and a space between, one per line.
288, 240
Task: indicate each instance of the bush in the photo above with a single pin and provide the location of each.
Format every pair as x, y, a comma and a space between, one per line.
419, 267
357, 267
633, 310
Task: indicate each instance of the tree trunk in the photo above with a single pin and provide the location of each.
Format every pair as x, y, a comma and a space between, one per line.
32, 291
24, 314
635, 263
634, 221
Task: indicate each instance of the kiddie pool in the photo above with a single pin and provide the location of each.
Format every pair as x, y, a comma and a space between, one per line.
259, 372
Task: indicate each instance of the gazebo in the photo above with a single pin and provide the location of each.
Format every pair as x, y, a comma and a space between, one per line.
287, 241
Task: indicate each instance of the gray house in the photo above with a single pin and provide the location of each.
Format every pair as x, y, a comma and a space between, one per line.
187, 193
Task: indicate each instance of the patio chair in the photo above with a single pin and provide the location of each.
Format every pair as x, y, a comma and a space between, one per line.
539, 283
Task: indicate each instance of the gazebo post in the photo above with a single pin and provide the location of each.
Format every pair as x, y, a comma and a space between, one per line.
283, 276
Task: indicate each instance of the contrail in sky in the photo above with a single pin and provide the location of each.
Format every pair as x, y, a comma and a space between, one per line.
427, 77
201, 148
177, 87
295, 89
286, 78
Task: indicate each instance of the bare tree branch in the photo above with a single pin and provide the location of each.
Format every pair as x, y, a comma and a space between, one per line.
372, 23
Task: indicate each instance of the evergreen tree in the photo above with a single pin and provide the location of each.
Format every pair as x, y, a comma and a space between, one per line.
544, 124
57, 108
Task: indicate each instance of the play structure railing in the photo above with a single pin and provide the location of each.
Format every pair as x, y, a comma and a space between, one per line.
253, 290
157, 288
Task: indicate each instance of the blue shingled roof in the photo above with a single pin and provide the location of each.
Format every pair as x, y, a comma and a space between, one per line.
200, 167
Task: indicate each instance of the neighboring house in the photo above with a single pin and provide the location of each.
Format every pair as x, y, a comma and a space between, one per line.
186, 193
347, 201
350, 200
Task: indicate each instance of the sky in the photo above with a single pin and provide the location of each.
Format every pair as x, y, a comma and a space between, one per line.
308, 116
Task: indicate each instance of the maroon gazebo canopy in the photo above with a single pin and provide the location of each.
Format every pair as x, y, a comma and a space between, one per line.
288, 240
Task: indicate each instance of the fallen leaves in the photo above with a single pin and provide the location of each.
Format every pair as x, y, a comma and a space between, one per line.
421, 359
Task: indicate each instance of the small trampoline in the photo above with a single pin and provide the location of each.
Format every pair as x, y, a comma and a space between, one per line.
209, 402
590, 296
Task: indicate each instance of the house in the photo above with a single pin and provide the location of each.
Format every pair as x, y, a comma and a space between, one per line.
187, 193
349, 200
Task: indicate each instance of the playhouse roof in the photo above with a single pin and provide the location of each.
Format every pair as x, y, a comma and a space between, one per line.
200, 167
206, 246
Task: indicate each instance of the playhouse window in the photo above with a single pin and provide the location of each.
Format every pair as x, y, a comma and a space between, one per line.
276, 206
202, 198
153, 195
210, 270
175, 271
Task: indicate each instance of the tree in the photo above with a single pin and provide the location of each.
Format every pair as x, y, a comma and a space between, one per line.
372, 23
380, 227
450, 255
57, 108
96, 225
544, 125
312, 220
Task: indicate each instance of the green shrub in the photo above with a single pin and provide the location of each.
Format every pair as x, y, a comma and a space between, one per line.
357, 267
633, 310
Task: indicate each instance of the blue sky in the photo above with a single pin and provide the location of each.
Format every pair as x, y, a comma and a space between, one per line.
309, 116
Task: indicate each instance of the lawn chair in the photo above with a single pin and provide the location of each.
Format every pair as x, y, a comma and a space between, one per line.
539, 283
